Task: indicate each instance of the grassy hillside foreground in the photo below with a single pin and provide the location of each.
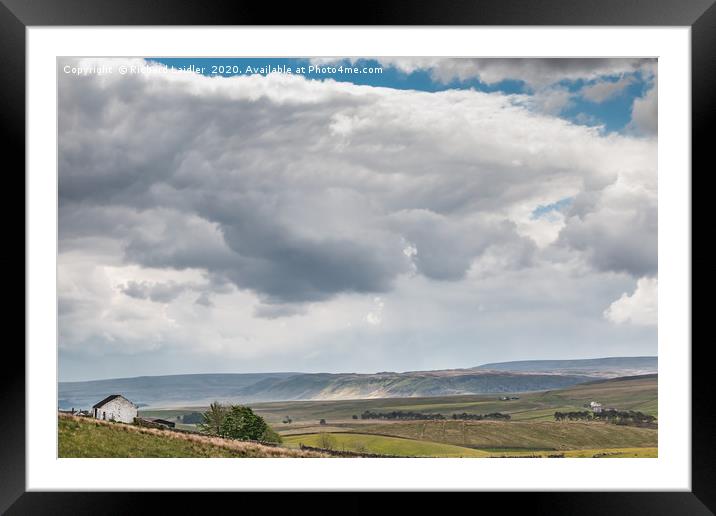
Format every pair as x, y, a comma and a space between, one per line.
84, 437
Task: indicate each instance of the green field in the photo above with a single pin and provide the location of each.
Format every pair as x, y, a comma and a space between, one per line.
84, 437
383, 445
616, 453
540, 435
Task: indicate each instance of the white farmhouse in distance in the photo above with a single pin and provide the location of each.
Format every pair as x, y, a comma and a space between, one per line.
596, 407
115, 407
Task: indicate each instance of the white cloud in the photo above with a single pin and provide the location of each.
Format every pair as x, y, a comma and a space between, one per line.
410, 251
551, 101
606, 89
644, 114
639, 308
376, 316
543, 230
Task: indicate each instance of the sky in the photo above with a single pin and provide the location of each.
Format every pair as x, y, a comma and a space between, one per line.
414, 214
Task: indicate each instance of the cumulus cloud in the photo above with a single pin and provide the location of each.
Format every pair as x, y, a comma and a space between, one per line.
645, 113
552, 101
616, 226
639, 308
606, 89
204, 209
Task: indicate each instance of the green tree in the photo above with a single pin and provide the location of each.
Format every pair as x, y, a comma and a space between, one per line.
270, 436
213, 418
242, 423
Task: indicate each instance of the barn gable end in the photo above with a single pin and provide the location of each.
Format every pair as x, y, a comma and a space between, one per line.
115, 407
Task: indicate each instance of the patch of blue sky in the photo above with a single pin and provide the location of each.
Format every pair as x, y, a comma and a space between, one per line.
547, 210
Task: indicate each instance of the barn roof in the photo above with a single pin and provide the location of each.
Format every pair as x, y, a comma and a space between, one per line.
108, 399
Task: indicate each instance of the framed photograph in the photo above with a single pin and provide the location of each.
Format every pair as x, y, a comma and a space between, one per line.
431, 250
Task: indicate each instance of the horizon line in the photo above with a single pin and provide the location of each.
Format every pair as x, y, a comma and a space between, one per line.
353, 372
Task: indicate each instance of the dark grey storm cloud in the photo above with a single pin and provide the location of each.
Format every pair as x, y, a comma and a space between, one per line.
291, 213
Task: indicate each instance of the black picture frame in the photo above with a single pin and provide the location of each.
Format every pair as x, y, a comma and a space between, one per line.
17, 15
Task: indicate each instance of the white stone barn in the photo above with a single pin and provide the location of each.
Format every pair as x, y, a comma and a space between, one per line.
115, 407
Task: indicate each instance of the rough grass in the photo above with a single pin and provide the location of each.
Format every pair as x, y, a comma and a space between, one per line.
616, 453
596, 453
85, 437
521, 434
383, 445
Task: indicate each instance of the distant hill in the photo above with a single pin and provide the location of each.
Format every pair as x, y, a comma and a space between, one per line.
170, 390
402, 385
610, 367
188, 390
202, 389
622, 380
